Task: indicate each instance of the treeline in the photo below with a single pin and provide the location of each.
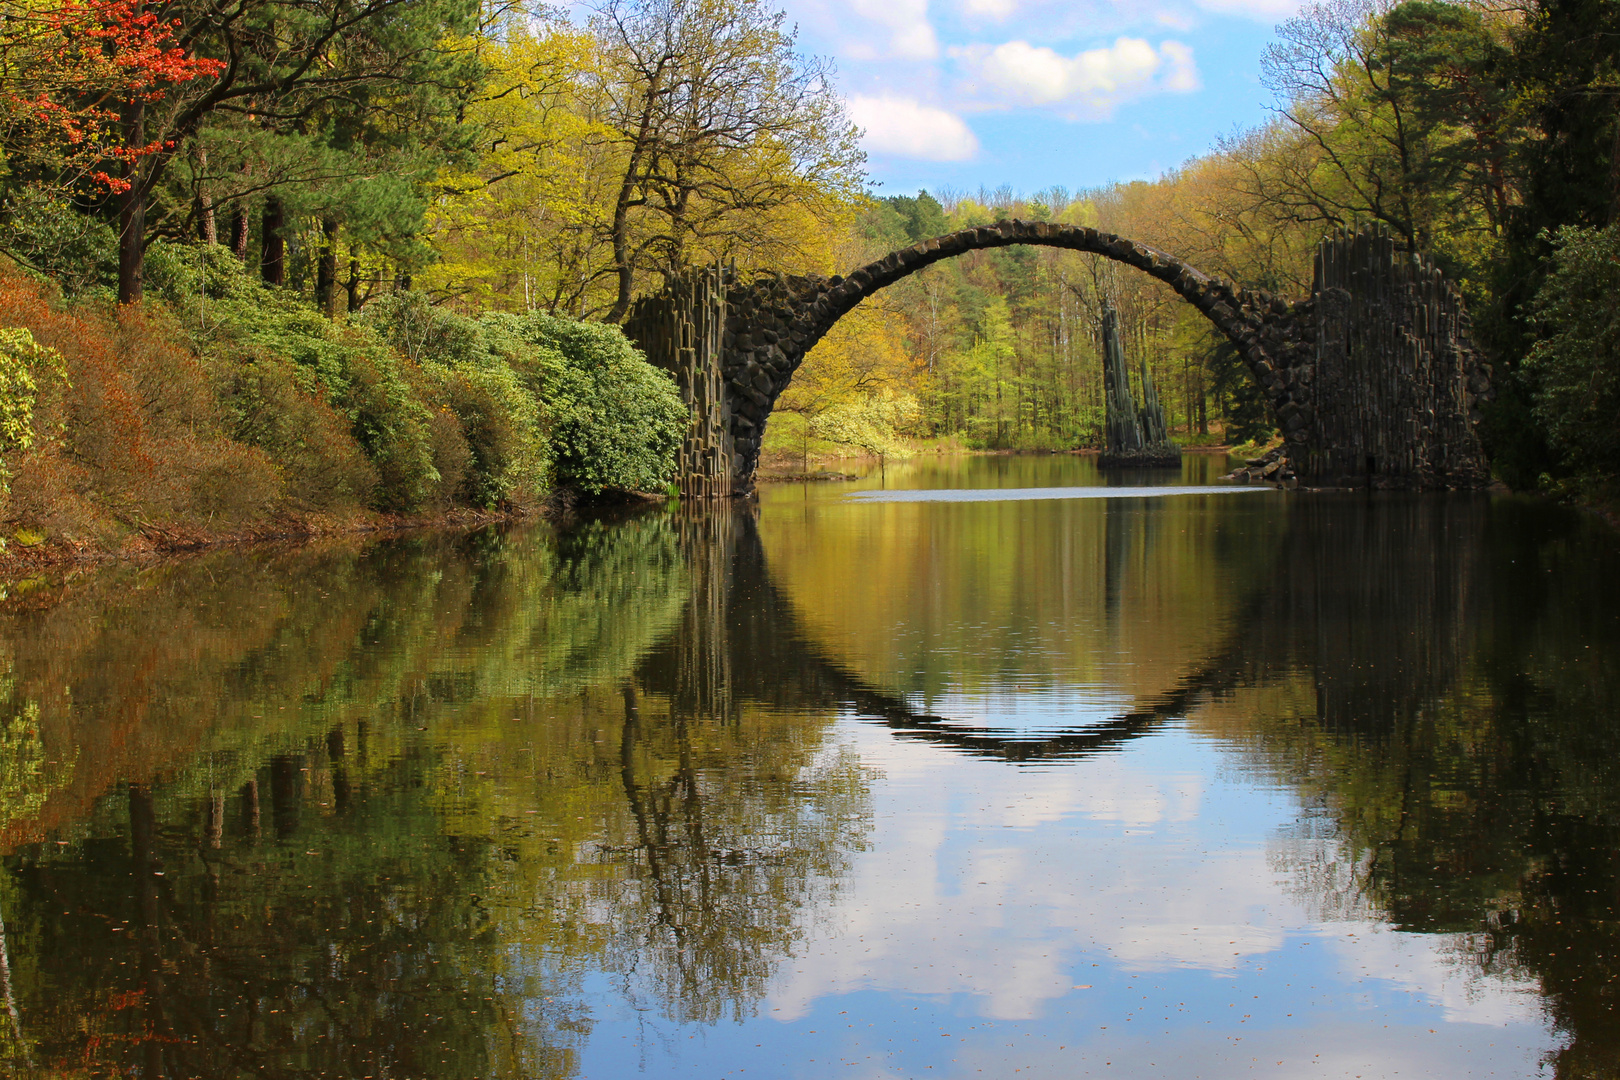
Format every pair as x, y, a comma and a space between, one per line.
476, 149
324, 256
1484, 134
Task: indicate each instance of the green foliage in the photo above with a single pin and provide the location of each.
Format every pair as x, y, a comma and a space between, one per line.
921, 218
501, 421
312, 444
348, 366
24, 366
1248, 417
616, 421
50, 236
28, 775
444, 408
1575, 367
477, 366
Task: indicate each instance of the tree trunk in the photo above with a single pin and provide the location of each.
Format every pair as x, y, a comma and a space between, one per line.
239, 232
352, 286
273, 260
623, 263
326, 270
1614, 176
207, 229
132, 211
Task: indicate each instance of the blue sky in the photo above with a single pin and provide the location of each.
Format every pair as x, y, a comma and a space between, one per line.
1037, 93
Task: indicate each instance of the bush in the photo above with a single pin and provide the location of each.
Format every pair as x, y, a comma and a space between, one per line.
230, 401
134, 436
871, 422
1575, 368
76, 251
1248, 414
616, 421
474, 367
322, 466
26, 367
346, 366
501, 425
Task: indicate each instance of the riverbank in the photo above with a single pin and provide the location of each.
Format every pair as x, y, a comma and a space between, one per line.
131, 433
20, 558
563, 505
781, 466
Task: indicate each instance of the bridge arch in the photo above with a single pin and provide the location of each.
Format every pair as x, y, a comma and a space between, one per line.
772, 323
735, 346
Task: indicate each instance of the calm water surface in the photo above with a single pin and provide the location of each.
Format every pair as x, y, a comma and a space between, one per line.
931, 775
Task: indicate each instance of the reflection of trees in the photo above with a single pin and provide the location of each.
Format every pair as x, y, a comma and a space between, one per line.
736, 840
386, 811
1448, 681
267, 897
168, 949
231, 659
743, 823
396, 834
1445, 712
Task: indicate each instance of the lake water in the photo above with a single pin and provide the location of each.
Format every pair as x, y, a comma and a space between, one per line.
975, 767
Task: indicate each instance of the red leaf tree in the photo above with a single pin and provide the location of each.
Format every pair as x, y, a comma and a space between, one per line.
71, 78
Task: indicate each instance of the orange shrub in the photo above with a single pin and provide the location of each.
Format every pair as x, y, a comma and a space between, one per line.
137, 438
322, 467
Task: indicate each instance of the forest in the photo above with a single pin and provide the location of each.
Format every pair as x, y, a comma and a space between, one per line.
309, 261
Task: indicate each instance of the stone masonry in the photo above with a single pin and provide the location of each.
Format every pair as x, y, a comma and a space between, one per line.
1414, 428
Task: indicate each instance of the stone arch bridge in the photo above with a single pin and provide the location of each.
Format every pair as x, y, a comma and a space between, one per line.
1372, 379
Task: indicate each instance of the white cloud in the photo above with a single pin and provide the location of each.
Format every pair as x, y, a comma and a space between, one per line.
998, 10
911, 35
1093, 82
1180, 72
999, 886
1265, 10
907, 128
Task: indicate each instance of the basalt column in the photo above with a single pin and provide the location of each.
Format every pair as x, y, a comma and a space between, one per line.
1396, 379
1136, 437
680, 330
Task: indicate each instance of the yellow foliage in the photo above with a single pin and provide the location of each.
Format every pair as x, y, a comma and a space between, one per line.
521, 230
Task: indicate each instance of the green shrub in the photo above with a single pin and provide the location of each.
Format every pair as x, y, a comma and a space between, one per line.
24, 366
76, 251
500, 421
393, 425
348, 365
616, 421
444, 407
322, 466
474, 367
1575, 367
871, 422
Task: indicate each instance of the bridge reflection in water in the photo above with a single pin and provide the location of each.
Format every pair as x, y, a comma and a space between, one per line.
1377, 607
410, 810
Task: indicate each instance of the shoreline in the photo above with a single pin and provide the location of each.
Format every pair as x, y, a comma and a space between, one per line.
153, 544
